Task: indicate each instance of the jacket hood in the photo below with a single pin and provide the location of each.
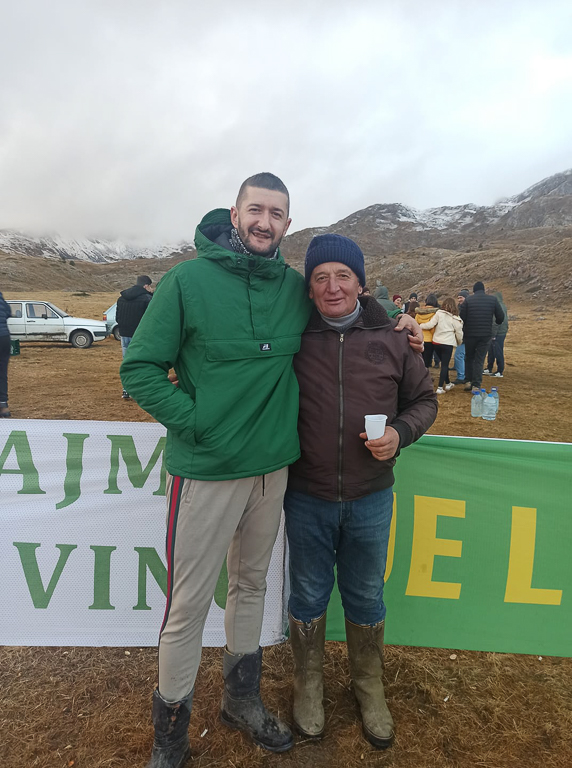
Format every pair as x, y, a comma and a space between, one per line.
382, 292
498, 294
218, 222
130, 294
426, 310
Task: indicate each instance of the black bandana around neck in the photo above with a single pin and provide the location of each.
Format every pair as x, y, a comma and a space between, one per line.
239, 247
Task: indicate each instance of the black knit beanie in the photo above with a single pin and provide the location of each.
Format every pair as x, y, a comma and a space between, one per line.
463, 292
324, 248
478, 286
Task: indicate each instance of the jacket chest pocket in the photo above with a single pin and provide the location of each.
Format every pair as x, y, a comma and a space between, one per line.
251, 349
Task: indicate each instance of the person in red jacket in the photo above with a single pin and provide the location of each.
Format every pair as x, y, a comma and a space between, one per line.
339, 501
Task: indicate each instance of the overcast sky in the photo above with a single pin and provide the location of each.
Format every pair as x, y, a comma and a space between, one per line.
133, 118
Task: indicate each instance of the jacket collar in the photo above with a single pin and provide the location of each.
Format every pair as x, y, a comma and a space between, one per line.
372, 316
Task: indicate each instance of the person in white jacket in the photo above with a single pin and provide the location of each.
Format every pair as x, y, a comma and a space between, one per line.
448, 333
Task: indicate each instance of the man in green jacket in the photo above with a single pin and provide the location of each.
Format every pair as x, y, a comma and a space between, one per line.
229, 323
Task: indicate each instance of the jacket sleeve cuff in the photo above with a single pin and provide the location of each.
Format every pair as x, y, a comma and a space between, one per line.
404, 432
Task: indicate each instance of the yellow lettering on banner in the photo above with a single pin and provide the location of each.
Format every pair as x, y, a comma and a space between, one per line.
426, 546
521, 562
391, 544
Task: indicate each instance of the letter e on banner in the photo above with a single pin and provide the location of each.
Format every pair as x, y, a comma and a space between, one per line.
426, 546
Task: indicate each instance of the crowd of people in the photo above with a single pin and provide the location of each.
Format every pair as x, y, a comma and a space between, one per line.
466, 330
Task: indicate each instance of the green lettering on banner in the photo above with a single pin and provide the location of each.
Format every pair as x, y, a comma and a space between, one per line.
74, 469
148, 558
102, 578
125, 445
18, 440
41, 597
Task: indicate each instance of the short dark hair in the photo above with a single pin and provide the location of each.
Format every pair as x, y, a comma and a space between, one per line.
144, 280
431, 301
263, 181
478, 286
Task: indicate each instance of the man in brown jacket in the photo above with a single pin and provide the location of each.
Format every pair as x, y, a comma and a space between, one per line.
339, 500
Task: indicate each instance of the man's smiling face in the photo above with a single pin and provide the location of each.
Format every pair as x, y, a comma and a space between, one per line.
261, 219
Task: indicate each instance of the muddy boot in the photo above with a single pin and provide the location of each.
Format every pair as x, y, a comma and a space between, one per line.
307, 642
4, 411
171, 744
242, 707
365, 651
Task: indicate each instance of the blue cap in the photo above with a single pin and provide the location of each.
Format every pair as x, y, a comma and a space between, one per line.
324, 248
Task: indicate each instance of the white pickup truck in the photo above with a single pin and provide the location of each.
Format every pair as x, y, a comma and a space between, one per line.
43, 321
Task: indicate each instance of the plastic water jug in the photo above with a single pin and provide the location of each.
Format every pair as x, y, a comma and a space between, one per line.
495, 394
476, 404
490, 408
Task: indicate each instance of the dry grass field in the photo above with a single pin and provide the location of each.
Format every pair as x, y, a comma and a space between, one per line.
90, 708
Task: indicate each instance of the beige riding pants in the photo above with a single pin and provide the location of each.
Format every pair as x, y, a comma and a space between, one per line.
207, 520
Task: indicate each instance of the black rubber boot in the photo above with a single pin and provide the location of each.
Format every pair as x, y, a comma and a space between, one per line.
171, 744
242, 707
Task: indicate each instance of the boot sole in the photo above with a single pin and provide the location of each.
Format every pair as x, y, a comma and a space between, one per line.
376, 741
237, 726
301, 732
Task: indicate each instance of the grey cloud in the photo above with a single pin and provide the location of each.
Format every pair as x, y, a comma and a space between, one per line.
134, 118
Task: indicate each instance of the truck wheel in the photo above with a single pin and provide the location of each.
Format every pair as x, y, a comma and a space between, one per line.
116, 333
81, 339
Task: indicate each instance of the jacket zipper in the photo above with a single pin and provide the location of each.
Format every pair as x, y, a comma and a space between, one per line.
341, 424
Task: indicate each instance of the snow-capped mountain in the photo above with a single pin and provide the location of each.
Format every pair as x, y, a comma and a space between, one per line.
383, 229
85, 249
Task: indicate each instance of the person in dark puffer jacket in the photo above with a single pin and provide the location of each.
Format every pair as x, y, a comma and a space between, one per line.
131, 306
4, 357
477, 313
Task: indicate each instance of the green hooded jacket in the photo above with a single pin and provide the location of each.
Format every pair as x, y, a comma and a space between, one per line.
500, 329
381, 295
229, 324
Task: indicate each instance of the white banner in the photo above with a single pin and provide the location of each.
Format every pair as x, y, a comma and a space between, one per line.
82, 550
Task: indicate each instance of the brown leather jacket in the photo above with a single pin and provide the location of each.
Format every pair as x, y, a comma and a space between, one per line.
368, 369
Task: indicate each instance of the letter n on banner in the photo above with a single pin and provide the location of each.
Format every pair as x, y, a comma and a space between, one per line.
426, 546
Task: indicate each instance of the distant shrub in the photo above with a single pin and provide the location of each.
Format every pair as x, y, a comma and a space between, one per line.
71, 263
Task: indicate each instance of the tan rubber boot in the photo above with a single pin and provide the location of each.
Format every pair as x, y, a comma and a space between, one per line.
307, 642
365, 651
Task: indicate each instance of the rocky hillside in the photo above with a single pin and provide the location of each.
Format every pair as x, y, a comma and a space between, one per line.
522, 243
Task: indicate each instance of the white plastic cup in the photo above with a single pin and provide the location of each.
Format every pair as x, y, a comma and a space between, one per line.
375, 426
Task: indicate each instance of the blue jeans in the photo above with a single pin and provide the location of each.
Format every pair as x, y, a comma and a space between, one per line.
125, 341
351, 535
460, 361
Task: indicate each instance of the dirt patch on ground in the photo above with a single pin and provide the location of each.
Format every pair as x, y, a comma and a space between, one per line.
90, 708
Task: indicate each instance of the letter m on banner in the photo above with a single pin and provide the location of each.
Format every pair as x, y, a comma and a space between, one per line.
124, 445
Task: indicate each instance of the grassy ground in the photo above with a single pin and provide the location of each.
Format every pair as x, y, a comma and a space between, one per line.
90, 708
